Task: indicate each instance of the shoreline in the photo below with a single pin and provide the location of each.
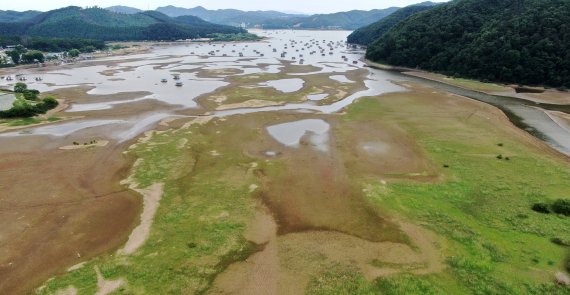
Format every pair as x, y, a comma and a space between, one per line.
508, 89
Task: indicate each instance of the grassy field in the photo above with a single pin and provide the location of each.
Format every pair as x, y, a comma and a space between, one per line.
497, 244
441, 172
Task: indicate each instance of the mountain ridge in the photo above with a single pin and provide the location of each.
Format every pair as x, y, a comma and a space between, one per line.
368, 34
101, 24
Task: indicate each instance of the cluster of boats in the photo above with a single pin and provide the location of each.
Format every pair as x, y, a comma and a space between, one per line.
176, 77
20, 78
322, 47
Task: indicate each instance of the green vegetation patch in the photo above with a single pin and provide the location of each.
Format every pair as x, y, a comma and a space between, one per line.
198, 229
498, 244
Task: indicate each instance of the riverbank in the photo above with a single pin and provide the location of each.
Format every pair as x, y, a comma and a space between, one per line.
540, 95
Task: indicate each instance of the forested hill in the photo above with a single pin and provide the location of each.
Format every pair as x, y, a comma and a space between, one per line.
15, 16
513, 41
101, 24
349, 20
372, 32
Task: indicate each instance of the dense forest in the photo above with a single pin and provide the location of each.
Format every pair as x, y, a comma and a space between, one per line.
101, 24
512, 41
374, 31
53, 44
16, 16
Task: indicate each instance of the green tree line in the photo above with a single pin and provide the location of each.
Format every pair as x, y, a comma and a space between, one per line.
512, 41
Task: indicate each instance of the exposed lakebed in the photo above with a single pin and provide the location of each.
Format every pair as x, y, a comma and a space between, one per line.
323, 50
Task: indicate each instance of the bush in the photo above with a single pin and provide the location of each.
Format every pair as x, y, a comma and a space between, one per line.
31, 94
541, 208
560, 242
24, 109
561, 207
49, 103
20, 87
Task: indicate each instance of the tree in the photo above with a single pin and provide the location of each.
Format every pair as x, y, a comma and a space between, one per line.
31, 94
20, 87
33, 56
15, 56
73, 53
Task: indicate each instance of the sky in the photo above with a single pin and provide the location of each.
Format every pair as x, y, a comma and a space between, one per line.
305, 6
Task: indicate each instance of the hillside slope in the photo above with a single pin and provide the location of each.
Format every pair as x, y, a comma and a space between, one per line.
513, 41
372, 32
101, 24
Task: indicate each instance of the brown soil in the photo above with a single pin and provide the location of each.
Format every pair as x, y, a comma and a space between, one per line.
58, 208
316, 210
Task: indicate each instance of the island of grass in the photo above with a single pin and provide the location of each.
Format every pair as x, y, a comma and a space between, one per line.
26, 103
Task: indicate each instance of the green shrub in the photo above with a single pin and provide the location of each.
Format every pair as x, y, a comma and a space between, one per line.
49, 103
31, 94
541, 208
561, 207
20, 87
560, 242
24, 109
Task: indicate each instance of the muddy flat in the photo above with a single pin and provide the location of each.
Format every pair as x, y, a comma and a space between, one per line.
261, 175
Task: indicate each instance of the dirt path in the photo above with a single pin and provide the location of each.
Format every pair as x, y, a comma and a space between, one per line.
107, 286
151, 202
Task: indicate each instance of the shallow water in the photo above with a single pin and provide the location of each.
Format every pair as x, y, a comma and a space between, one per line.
317, 97
341, 79
285, 85
291, 133
322, 49
6, 101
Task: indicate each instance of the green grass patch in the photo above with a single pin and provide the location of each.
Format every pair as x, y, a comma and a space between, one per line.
198, 229
28, 121
497, 243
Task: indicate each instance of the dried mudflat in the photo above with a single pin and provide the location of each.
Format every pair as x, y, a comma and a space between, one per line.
244, 213
230, 209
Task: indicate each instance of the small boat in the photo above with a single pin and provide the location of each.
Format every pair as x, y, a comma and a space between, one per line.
176, 77
163, 80
179, 84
